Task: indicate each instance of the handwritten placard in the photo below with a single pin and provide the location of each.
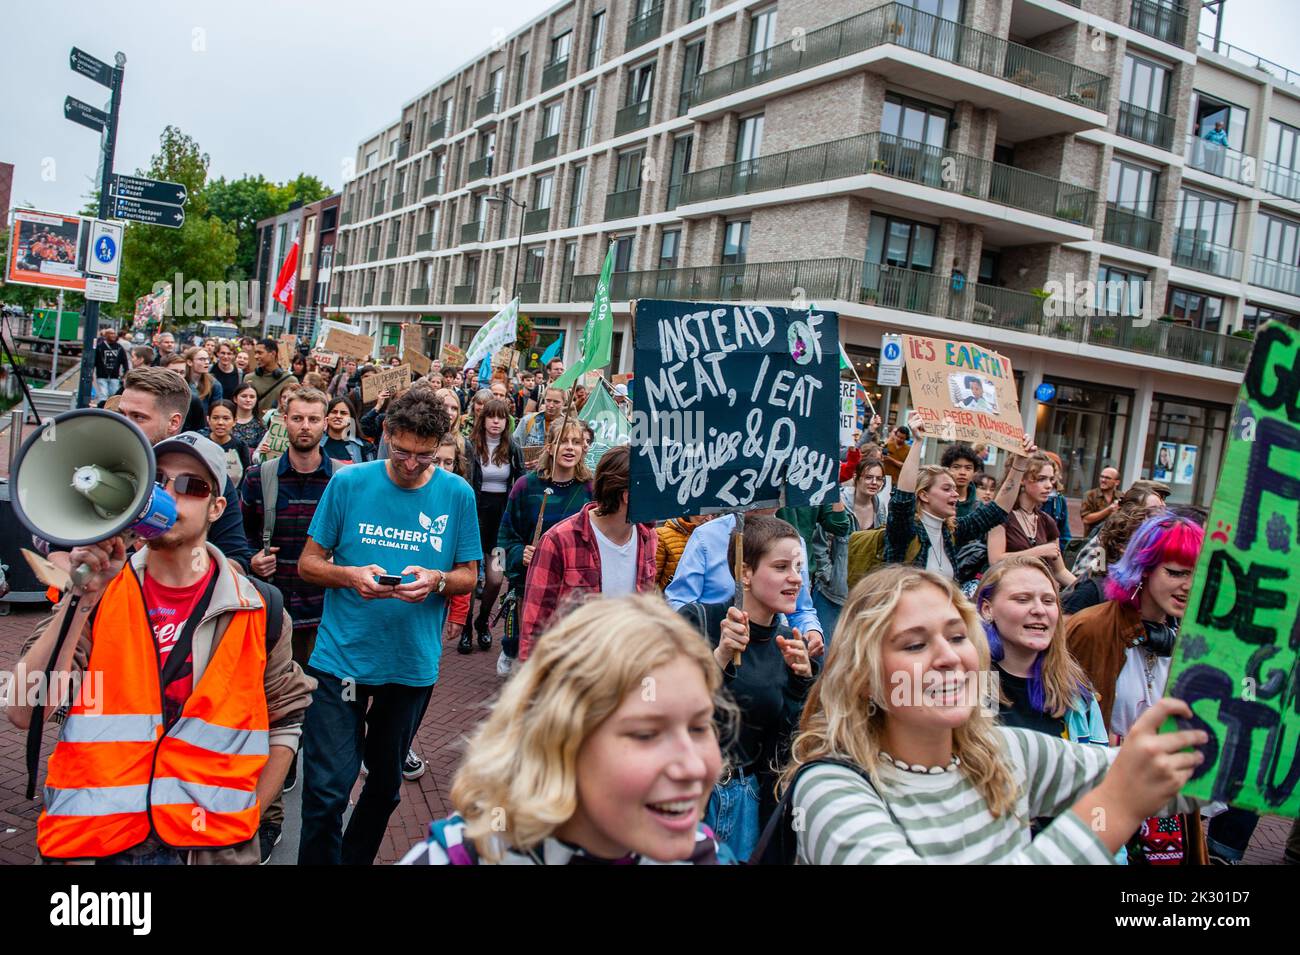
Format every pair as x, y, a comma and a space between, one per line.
286, 345
418, 361
735, 407
453, 356
964, 392
393, 380
276, 440
349, 344
1238, 654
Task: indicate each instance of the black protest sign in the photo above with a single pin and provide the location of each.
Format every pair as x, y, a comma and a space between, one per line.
1237, 663
735, 407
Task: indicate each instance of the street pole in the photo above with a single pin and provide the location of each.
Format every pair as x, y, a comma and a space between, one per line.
58, 323
91, 331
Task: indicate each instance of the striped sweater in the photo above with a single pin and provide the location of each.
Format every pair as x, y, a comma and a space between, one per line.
942, 819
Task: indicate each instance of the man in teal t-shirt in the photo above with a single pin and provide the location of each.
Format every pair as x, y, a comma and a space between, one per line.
378, 646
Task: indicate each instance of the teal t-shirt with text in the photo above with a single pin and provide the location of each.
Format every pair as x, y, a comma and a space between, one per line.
364, 518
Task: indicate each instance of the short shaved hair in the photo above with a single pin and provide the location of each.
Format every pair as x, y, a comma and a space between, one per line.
168, 388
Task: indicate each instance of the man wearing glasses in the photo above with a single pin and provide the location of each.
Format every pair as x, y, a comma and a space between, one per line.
390, 542
203, 706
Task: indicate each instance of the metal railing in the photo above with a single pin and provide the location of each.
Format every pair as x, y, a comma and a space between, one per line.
424, 242
372, 253
403, 149
486, 104
1246, 58
340, 258
391, 251
368, 298
479, 168
462, 294
530, 291
546, 148
430, 187
1280, 181
906, 27
629, 118
897, 158
419, 296
623, 205
537, 220
471, 232
437, 129
345, 218
386, 298
1164, 21
1190, 251
644, 28
1219, 160
553, 74
1278, 276
377, 207
1131, 229
398, 199
1144, 125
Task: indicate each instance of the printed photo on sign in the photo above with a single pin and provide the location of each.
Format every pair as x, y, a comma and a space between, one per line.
1163, 469
1185, 473
964, 392
973, 392
45, 249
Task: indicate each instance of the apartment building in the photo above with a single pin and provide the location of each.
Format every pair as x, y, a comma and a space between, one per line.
1033, 175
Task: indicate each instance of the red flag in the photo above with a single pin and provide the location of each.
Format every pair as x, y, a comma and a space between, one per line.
285, 282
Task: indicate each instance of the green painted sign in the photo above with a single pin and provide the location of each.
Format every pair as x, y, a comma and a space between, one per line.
1238, 659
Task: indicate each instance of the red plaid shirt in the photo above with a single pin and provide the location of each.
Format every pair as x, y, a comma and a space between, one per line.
567, 561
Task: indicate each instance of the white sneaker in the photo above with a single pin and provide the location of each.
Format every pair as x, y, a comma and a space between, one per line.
504, 667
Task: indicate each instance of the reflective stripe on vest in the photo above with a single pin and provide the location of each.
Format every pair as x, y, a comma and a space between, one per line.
221, 739
170, 791
95, 800
121, 728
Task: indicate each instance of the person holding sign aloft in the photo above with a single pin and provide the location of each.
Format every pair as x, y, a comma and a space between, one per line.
771, 684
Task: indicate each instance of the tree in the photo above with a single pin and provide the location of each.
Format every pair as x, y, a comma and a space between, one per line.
245, 201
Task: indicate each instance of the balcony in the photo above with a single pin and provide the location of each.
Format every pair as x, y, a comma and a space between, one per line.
372, 253
386, 298
1275, 275
900, 31
336, 300
471, 232
419, 296
430, 188
424, 242
629, 118
546, 148
1280, 181
538, 220
403, 149
644, 28
486, 104
398, 199
1132, 230
1190, 251
623, 205
462, 294
553, 74
905, 159
368, 298
437, 130
1146, 126
480, 168
1219, 160
377, 207
391, 251
1246, 58
340, 258
1160, 20
345, 218
530, 291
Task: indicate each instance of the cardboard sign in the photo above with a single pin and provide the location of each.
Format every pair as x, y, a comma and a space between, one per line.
452, 356
419, 361
848, 411
734, 408
276, 439
504, 358
1238, 649
395, 380
349, 344
964, 392
285, 347
532, 455
326, 359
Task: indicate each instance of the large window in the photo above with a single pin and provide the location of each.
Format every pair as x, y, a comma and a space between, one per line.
1144, 84
1277, 239
1197, 309
762, 30
1133, 187
577, 195
534, 262
681, 165
640, 83
623, 253
669, 248
692, 62
735, 243
1209, 111
1252, 316
1205, 218
521, 77
749, 138
561, 46
1120, 291
588, 116
552, 117
1185, 442
596, 49
543, 189
628, 173
915, 120
1283, 147
901, 242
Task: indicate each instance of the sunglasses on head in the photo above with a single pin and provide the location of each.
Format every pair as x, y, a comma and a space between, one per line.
187, 485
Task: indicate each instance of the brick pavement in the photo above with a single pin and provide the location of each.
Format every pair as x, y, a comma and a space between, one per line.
464, 692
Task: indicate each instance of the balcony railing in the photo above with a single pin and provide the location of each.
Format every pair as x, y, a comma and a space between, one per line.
1131, 229
1219, 160
1246, 58
884, 286
471, 232
1190, 251
462, 294
1161, 20
623, 205
403, 149
1280, 181
391, 251
372, 254
424, 242
538, 220
480, 168
340, 258
398, 199
486, 104
1279, 276
901, 25
629, 118
345, 218
419, 296
900, 159
546, 148
553, 74
1146, 126
644, 28
368, 298
386, 298
377, 207
336, 299
530, 291
437, 130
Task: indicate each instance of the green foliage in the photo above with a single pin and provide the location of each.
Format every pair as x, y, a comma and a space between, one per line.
524, 335
245, 201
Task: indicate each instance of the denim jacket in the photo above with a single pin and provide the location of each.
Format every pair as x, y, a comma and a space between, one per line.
830, 554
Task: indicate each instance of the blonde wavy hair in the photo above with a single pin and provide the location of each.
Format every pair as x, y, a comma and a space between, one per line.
926, 475
557, 432
847, 708
520, 768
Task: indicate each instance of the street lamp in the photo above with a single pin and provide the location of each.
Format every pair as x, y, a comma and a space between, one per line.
519, 251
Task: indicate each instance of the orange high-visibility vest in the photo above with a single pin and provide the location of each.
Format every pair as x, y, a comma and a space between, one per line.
115, 775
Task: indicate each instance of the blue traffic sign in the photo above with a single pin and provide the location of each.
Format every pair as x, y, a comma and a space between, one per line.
105, 249
892, 351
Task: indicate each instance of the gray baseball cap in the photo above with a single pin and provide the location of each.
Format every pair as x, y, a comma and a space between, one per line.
206, 451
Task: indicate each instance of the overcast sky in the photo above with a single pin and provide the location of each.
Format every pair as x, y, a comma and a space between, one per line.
279, 87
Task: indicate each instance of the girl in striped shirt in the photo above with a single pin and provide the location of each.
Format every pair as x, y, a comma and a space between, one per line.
940, 781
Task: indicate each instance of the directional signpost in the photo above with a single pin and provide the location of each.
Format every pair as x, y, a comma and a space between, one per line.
91, 67
148, 190
150, 213
84, 114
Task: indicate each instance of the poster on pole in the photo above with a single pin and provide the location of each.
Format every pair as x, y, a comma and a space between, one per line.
848, 411
46, 249
964, 392
349, 344
734, 408
1237, 659
394, 380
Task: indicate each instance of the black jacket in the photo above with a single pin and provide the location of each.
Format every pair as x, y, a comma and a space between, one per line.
476, 467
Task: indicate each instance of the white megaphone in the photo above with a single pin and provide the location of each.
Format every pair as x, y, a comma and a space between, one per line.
86, 476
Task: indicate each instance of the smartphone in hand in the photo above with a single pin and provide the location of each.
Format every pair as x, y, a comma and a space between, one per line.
388, 580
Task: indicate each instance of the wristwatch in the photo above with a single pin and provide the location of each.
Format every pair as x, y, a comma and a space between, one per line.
442, 581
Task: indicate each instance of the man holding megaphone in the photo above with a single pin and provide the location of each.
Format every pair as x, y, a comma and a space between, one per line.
201, 706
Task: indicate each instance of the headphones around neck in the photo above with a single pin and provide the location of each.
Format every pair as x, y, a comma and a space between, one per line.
1159, 638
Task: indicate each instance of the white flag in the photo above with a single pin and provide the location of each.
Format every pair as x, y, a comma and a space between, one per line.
502, 330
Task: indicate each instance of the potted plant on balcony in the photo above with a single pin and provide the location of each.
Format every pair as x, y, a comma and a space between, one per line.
1070, 213
879, 165
1088, 94
897, 28
1024, 77
1245, 333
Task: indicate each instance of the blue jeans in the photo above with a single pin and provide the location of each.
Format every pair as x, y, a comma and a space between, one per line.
732, 814
158, 855
828, 613
344, 725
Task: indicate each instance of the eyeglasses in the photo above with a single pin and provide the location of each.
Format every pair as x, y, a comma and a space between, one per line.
187, 485
424, 459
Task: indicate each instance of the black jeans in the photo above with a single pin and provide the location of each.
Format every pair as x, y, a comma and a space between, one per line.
345, 724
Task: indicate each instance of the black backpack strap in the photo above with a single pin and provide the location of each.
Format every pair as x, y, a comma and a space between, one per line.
274, 610
780, 819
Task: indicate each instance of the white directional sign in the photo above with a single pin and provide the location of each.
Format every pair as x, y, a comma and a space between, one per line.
891, 361
104, 251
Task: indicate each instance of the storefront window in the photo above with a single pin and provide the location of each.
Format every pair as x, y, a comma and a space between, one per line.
1185, 442
1087, 425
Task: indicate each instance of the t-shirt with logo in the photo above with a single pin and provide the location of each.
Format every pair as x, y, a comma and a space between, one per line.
364, 518
169, 609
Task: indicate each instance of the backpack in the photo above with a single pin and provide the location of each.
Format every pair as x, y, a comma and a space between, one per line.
867, 552
271, 493
778, 845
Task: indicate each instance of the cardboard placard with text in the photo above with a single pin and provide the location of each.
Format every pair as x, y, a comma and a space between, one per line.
504, 357
326, 359
418, 361
964, 392
349, 344
394, 380
453, 356
285, 347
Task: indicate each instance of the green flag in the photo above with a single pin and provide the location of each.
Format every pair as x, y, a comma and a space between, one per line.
607, 421
598, 332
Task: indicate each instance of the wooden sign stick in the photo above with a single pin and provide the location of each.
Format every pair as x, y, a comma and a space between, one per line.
738, 561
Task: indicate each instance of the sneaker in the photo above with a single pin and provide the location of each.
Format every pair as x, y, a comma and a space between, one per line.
269, 837
503, 664
291, 780
364, 771
412, 766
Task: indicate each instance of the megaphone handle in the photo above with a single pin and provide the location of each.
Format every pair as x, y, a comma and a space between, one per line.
82, 572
